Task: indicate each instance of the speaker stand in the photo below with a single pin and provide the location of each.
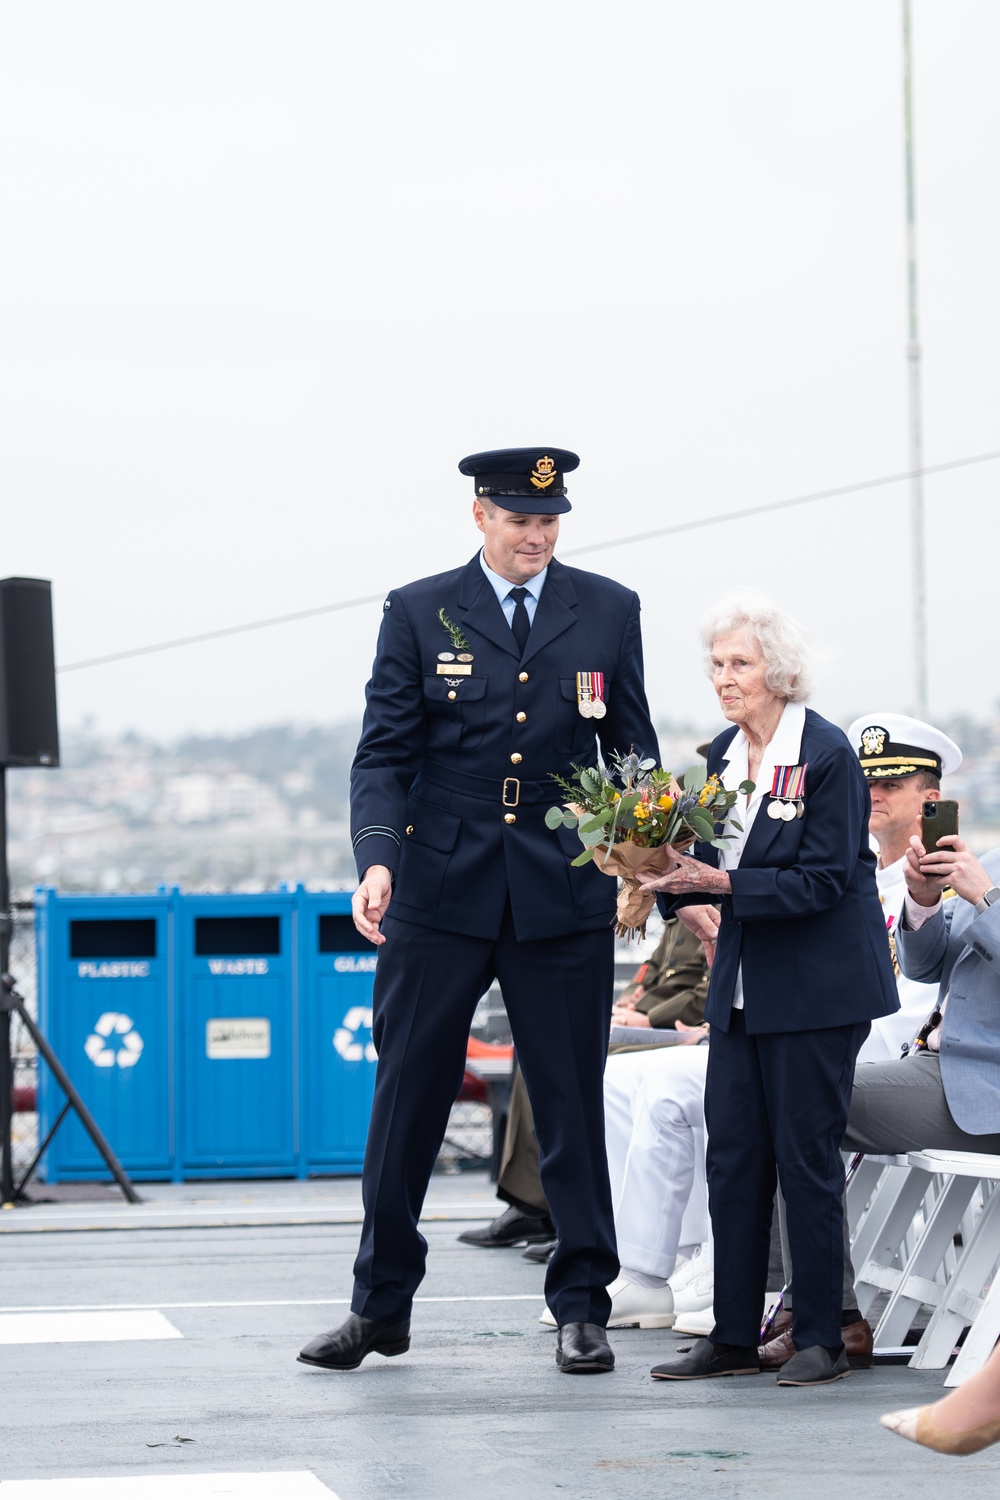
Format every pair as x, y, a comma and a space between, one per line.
12, 1004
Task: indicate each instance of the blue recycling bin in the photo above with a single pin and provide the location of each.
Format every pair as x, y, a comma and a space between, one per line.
237, 1035
337, 969
107, 1007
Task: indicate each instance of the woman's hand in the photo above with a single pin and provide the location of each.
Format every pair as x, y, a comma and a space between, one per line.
686, 877
952, 864
703, 921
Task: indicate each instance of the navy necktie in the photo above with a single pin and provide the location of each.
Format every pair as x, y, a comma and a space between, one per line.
520, 624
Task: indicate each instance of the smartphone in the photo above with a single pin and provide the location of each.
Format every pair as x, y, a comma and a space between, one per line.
938, 819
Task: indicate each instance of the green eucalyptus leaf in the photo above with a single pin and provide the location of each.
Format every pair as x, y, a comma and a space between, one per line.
596, 824
695, 778
570, 820
583, 859
703, 827
747, 788
555, 817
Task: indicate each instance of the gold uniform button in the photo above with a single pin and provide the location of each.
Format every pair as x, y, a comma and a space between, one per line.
453, 694
522, 676
509, 818
522, 717
516, 759
410, 829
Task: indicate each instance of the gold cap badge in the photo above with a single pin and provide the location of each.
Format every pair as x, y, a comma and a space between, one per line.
543, 473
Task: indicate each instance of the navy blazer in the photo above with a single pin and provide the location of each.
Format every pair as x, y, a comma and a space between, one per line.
444, 761
804, 916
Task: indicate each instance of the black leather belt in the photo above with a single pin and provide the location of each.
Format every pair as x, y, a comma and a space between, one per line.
510, 792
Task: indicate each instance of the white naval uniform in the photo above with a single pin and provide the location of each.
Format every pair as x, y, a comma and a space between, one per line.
654, 1109
916, 1000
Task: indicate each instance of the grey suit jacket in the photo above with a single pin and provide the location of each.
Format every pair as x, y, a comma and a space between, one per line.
962, 953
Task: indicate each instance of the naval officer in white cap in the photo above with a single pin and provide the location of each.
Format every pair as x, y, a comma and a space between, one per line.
903, 760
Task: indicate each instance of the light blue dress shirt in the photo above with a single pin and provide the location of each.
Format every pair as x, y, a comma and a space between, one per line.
503, 586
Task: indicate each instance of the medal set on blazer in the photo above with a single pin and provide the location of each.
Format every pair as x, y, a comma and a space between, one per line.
788, 793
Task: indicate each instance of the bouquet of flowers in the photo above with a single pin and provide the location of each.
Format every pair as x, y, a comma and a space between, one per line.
634, 818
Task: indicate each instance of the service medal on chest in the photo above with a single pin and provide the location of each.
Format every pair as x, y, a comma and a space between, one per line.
590, 695
788, 793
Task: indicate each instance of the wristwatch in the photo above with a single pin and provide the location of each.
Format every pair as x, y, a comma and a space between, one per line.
987, 899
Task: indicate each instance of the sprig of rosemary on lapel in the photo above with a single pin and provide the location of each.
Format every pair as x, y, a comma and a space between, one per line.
458, 640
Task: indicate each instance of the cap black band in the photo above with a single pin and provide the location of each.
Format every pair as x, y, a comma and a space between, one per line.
515, 484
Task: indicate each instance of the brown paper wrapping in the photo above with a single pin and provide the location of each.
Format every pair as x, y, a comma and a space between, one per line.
628, 860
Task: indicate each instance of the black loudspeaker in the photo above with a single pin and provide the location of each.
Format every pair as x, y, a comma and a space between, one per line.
29, 729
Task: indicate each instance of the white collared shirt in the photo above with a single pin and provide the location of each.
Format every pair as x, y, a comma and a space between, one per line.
784, 749
503, 586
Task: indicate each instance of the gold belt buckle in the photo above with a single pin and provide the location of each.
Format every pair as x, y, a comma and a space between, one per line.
511, 781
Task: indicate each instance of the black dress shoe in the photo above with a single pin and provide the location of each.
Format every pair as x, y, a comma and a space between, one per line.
705, 1359
583, 1349
512, 1228
345, 1347
814, 1366
542, 1253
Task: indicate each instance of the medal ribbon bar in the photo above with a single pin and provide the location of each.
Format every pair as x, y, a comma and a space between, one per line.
789, 782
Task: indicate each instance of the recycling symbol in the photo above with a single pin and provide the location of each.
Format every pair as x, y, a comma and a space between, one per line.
114, 1040
347, 1041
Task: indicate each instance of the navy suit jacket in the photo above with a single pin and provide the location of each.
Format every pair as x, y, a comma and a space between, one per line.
804, 917
434, 776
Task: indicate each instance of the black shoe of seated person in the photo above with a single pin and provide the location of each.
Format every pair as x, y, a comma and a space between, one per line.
513, 1227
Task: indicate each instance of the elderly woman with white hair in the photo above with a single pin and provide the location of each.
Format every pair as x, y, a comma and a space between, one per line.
801, 968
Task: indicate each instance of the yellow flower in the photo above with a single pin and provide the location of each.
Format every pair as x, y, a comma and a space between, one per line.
641, 812
666, 802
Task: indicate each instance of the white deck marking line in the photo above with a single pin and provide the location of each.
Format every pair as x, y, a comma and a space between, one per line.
297, 1485
105, 1307
90, 1326
150, 1211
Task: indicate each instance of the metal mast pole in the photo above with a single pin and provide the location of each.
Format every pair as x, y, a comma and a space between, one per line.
913, 356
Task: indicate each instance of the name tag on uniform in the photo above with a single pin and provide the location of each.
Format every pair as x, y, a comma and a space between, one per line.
453, 669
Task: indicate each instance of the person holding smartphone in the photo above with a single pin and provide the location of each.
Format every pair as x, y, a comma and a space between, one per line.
946, 1093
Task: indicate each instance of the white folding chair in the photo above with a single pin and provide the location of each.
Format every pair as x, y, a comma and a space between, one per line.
881, 1247
962, 1301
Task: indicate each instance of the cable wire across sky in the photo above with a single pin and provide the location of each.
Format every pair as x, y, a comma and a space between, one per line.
601, 546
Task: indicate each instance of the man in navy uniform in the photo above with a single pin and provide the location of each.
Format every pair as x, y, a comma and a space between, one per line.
487, 679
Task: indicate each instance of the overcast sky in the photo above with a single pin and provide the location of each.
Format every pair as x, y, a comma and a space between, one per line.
270, 268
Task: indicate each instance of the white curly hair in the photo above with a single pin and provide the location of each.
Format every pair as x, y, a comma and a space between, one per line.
791, 660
